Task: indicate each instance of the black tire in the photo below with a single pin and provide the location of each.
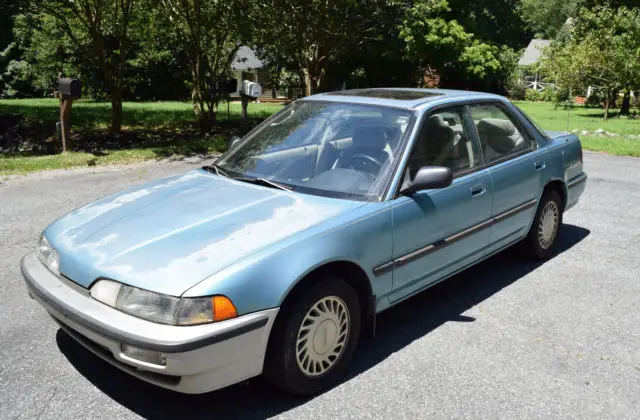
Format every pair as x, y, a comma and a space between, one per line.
534, 245
281, 366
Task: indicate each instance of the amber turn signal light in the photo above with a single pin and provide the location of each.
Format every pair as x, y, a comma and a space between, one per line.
223, 308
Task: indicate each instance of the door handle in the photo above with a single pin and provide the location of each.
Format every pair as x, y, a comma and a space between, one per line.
540, 166
478, 190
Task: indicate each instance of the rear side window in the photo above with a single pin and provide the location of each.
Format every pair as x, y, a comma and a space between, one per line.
499, 135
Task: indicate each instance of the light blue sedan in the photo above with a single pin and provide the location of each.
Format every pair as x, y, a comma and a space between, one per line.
277, 258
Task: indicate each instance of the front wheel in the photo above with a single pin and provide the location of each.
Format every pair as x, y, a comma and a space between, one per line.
546, 225
314, 338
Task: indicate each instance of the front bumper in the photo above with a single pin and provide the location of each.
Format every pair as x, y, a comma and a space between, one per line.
199, 358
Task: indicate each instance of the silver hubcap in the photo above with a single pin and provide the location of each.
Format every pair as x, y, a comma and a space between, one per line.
322, 336
548, 227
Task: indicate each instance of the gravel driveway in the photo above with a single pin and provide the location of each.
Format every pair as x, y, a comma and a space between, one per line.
507, 338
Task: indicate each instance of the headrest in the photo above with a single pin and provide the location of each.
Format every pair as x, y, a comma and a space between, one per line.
496, 126
499, 134
370, 137
437, 125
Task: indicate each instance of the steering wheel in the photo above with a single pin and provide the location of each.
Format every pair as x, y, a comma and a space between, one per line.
366, 159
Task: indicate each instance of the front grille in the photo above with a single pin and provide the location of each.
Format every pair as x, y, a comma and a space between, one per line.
107, 354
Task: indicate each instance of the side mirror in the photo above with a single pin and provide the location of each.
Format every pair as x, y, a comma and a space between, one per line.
429, 177
233, 141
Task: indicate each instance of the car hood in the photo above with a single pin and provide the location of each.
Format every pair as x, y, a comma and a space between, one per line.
169, 235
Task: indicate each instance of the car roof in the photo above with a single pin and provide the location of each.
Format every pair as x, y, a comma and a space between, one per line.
409, 98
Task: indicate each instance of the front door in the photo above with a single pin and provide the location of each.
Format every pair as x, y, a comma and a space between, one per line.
437, 232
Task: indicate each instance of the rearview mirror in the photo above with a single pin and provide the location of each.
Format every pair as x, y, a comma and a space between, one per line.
429, 177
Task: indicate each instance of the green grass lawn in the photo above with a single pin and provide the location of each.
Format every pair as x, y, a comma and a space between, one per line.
151, 130
550, 117
89, 114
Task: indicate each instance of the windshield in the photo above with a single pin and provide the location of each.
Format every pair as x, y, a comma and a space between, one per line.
332, 149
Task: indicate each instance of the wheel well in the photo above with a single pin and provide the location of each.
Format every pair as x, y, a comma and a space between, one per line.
560, 188
352, 274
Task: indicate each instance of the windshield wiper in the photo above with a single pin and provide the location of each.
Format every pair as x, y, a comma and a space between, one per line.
216, 170
264, 182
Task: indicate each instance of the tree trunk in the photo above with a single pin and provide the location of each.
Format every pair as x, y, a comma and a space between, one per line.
308, 83
606, 106
116, 110
613, 98
245, 104
626, 103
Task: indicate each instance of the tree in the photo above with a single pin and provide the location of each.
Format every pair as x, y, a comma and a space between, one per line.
376, 56
102, 32
210, 32
307, 35
496, 22
435, 40
603, 51
546, 17
12, 70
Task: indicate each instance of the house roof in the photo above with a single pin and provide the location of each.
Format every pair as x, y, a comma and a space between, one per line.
246, 59
533, 52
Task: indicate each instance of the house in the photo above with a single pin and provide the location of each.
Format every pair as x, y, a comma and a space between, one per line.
530, 57
247, 66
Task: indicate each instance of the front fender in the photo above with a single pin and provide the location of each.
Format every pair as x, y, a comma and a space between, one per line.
263, 280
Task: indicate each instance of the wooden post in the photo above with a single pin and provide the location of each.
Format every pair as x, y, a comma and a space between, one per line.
65, 120
245, 103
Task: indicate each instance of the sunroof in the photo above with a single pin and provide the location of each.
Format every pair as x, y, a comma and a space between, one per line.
401, 95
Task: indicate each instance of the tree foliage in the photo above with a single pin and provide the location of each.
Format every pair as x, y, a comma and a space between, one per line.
97, 35
305, 34
210, 32
435, 39
547, 17
603, 51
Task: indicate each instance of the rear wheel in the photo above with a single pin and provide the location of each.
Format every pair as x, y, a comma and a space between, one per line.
314, 338
542, 236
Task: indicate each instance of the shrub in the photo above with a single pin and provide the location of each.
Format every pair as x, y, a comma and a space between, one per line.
595, 100
561, 95
517, 91
532, 95
548, 95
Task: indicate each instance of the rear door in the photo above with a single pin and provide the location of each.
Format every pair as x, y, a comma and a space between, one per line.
515, 168
436, 232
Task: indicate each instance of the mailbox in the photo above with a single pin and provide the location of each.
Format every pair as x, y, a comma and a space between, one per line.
251, 89
70, 87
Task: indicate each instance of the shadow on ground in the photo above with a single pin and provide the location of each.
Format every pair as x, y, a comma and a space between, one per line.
397, 328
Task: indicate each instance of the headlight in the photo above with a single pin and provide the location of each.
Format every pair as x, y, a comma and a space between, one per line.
48, 256
161, 308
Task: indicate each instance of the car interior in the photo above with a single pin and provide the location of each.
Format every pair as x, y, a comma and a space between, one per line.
499, 137
344, 154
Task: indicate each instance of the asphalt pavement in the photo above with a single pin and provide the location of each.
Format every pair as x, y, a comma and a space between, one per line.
506, 339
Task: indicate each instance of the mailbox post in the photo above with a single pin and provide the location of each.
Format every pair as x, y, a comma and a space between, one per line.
68, 90
250, 90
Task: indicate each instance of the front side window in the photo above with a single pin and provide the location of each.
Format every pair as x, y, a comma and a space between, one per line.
445, 139
498, 133
325, 148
